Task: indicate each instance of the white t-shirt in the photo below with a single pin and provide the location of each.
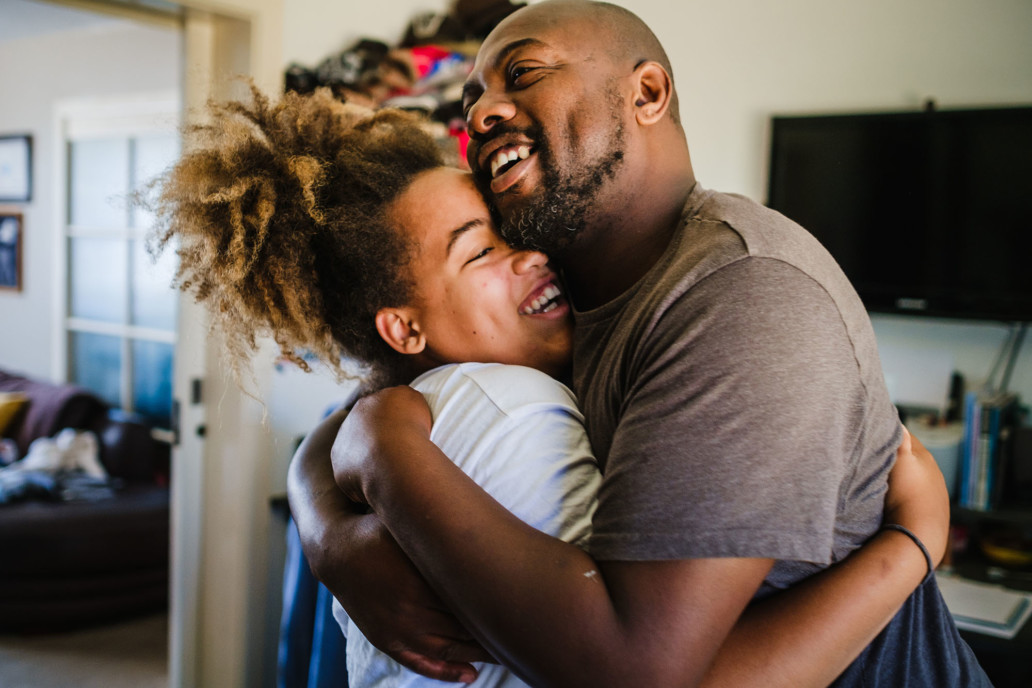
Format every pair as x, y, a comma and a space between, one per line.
518, 433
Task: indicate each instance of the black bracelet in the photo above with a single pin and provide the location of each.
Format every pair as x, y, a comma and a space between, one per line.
917, 541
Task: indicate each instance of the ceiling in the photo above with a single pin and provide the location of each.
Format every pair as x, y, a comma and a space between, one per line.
27, 19
21, 19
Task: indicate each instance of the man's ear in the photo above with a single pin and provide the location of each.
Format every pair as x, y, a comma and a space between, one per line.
653, 91
400, 330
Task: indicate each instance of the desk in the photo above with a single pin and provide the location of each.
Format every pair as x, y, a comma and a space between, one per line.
1008, 662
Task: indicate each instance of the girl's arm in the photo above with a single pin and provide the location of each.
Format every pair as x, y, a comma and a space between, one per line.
835, 614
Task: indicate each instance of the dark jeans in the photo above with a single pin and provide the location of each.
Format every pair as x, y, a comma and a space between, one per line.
311, 649
920, 647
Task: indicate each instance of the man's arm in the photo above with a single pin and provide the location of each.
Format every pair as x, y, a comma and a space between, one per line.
558, 618
540, 605
351, 553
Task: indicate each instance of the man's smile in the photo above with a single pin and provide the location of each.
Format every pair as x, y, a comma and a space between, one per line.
505, 157
503, 162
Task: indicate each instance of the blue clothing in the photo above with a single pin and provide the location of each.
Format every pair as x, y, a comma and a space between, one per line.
311, 648
920, 647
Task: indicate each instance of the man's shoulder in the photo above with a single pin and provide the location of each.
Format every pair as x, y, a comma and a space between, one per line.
725, 229
510, 389
719, 230
762, 231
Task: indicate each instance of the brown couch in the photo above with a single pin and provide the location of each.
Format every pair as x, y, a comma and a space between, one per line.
68, 564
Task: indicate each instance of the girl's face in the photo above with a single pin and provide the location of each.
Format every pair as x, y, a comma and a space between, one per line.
476, 299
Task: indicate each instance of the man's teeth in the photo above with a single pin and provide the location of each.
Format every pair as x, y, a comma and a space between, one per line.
544, 303
503, 158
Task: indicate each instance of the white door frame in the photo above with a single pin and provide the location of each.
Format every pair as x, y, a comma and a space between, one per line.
220, 511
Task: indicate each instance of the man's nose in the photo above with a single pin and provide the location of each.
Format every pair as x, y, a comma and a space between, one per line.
490, 109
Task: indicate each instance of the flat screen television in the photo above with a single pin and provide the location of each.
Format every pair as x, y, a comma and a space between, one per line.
927, 212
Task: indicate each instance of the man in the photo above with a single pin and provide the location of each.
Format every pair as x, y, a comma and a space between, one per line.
729, 379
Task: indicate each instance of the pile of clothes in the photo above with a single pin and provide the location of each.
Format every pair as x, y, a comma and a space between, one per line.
424, 72
65, 467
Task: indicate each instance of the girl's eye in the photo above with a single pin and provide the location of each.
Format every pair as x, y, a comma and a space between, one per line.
480, 255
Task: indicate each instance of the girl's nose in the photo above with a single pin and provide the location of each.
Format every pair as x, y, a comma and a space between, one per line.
528, 260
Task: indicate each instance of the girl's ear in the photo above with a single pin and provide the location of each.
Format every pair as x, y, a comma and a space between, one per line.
653, 91
400, 330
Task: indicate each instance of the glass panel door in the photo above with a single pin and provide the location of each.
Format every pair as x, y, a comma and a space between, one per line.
121, 308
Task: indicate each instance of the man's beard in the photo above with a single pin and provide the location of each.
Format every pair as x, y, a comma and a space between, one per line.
551, 221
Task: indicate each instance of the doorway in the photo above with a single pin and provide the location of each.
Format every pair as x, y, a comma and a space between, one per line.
219, 619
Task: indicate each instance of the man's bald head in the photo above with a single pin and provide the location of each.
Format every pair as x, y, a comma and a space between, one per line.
622, 35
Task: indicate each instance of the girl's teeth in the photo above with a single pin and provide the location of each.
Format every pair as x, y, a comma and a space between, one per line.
538, 304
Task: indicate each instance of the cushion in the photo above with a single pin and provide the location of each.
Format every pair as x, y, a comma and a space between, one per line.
52, 407
11, 403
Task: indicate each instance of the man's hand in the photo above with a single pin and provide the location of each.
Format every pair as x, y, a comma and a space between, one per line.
917, 498
379, 425
396, 610
351, 553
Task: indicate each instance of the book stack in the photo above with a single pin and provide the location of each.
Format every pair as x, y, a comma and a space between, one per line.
989, 422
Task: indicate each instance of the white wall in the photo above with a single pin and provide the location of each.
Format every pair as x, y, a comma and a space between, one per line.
737, 62
315, 29
37, 73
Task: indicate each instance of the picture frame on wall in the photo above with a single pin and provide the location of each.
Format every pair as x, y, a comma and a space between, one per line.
15, 168
10, 250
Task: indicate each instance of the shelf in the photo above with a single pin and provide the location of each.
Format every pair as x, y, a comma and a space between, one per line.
1020, 514
972, 562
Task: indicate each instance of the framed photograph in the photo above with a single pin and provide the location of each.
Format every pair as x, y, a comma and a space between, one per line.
15, 168
10, 250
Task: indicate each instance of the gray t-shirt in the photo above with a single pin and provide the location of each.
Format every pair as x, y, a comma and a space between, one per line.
735, 400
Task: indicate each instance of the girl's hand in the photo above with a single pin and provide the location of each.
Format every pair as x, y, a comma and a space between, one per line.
917, 498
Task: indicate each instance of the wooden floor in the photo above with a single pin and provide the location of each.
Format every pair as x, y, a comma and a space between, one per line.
132, 654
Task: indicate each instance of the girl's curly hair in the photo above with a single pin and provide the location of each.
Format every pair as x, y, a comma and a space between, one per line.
279, 212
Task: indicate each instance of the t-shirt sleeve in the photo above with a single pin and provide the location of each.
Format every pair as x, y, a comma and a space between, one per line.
519, 435
735, 435
546, 474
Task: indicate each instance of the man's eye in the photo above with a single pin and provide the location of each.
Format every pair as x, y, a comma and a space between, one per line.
516, 72
480, 255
